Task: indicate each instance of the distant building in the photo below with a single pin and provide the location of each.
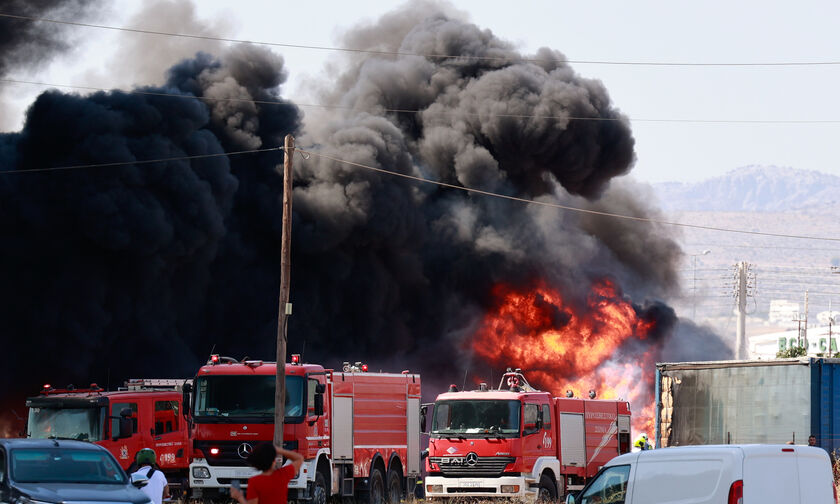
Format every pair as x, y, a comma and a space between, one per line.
818, 341
783, 311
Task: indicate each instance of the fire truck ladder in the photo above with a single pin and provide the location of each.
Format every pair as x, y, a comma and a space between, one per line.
176, 384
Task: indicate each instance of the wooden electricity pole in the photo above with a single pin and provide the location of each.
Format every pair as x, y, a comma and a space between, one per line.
284, 308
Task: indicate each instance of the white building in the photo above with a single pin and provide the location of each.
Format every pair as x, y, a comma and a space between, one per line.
818, 341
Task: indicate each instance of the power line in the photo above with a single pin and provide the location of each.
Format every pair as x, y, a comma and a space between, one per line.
427, 55
430, 112
573, 209
126, 163
718, 245
427, 181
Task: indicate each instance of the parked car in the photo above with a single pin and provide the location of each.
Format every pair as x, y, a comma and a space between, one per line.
733, 474
34, 471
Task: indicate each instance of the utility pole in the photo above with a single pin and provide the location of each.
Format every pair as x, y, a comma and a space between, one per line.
741, 336
285, 307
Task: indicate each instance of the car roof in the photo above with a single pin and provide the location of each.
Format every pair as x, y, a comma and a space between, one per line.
47, 443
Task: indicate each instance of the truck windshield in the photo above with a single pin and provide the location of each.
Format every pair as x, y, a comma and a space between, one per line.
71, 423
64, 465
245, 396
476, 417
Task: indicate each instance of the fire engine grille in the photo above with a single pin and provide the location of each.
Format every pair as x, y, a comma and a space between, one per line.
483, 466
229, 451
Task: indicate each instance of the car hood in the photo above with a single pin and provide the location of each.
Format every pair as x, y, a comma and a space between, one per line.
81, 492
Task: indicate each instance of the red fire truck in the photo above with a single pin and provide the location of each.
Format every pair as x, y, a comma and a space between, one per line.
144, 413
359, 432
517, 441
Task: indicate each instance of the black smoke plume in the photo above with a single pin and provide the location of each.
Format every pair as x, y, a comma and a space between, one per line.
139, 270
26, 43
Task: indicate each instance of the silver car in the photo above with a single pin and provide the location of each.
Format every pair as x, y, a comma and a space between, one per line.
36, 471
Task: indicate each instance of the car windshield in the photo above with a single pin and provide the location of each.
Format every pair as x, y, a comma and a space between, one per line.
64, 465
476, 417
231, 395
72, 423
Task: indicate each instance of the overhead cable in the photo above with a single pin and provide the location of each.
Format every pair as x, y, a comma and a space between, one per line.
426, 55
433, 182
430, 112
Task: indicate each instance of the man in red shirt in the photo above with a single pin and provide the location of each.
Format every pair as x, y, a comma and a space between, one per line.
271, 486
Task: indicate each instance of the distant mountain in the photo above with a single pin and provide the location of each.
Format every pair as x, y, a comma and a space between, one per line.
752, 189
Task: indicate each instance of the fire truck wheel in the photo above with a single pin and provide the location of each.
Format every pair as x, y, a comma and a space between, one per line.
376, 488
394, 487
319, 490
548, 492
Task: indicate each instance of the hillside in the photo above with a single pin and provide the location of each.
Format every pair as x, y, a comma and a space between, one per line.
752, 189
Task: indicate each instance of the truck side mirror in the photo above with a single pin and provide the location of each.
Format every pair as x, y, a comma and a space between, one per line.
423, 411
319, 403
126, 426
186, 399
570, 499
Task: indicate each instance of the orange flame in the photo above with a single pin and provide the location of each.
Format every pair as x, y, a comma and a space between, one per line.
563, 347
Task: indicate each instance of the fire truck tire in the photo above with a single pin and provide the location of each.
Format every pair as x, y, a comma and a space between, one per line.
376, 487
394, 493
319, 490
547, 491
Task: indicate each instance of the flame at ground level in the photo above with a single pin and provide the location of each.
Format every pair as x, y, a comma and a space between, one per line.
604, 344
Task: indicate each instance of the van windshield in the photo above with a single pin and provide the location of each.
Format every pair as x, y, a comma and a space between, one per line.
481, 417
610, 487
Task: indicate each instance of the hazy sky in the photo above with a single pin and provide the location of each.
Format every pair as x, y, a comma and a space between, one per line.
646, 31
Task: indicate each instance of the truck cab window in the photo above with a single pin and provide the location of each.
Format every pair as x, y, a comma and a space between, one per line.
529, 415
166, 417
546, 409
2, 467
609, 487
310, 393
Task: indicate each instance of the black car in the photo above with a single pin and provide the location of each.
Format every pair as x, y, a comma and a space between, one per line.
35, 471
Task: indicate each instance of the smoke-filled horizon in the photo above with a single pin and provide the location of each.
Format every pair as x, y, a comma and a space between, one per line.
139, 270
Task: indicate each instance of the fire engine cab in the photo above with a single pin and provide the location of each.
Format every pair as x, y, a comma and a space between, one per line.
144, 413
358, 431
517, 441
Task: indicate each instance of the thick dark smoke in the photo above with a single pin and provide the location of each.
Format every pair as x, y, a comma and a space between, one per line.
140, 270
692, 342
31, 43
27, 45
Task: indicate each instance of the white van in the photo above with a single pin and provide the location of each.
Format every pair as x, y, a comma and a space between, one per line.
731, 474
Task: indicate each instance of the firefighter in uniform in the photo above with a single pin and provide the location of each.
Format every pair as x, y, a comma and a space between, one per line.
641, 443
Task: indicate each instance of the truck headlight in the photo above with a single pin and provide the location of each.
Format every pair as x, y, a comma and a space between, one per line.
434, 488
201, 472
510, 488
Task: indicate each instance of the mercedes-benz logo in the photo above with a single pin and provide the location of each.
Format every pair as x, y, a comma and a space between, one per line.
472, 459
244, 450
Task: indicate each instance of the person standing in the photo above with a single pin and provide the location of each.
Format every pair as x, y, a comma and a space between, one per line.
641, 443
271, 486
157, 488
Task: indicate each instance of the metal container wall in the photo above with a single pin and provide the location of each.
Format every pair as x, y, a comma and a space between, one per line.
746, 402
